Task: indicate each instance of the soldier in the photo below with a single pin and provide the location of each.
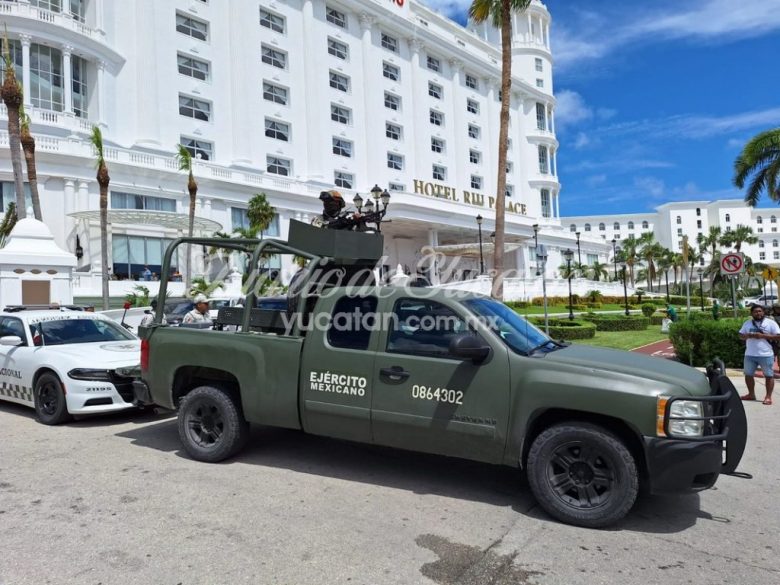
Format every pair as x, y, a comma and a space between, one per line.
199, 313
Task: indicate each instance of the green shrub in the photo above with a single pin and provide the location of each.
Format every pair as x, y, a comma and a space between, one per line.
518, 304
698, 341
593, 305
618, 322
566, 329
594, 296
657, 318
648, 309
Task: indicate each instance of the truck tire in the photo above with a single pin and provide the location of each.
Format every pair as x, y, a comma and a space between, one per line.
49, 397
211, 424
582, 474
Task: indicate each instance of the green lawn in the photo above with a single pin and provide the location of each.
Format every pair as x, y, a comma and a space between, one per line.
625, 339
534, 310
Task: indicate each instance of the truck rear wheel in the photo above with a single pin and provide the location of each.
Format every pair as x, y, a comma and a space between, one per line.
211, 424
582, 474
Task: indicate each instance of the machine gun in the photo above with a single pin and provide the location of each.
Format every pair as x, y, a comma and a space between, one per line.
367, 218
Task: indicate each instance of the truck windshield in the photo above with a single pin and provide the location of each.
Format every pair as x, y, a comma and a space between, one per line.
513, 330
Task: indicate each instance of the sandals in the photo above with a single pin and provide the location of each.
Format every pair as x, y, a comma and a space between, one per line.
767, 402
748, 397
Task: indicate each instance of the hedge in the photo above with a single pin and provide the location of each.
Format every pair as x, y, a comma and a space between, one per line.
698, 341
566, 329
618, 322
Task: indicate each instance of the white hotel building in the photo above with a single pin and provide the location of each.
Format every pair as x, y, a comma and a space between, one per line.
285, 97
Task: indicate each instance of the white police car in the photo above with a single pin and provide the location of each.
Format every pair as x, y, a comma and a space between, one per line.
66, 363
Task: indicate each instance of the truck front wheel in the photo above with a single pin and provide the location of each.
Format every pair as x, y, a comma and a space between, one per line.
211, 424
582, 474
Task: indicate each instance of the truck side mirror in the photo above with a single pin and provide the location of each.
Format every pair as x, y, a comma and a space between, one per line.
469, 347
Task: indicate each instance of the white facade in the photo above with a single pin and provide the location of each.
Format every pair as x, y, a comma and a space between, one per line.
287, 98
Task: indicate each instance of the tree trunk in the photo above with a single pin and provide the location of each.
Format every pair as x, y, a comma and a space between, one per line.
192, 187
503, 136
103, 180
28, 145
14, 141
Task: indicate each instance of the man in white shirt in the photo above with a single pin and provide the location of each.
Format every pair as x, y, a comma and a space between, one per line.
758, 332
199, 314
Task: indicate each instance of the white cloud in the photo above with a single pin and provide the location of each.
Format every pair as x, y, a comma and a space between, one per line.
455, 9
654, 186
606, 113
570, 109
581, 141
596, 180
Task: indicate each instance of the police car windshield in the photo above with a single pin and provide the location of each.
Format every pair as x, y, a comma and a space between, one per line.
66, 331
513, 330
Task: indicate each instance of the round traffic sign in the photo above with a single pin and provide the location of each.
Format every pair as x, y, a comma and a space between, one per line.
731, 263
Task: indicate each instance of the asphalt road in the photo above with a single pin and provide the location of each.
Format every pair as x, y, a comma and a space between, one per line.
114, 501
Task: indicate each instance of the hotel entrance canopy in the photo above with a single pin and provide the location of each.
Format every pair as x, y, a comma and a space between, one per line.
165, 219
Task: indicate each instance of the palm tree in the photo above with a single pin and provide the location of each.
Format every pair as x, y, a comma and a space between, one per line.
567, 271
664, 264
260, 213
598, 271
759, 159
650, 251
11, 93
184, 158
711, 242
202, 286
630, 256
677, 264
735, 238
8, 223
28, 146
500, 13
580, 270
103, 181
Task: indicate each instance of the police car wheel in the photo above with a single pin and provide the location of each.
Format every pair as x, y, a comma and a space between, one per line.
50, 405
211, 424
582, 474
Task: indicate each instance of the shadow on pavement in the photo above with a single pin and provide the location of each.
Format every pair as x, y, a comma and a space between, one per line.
415, 472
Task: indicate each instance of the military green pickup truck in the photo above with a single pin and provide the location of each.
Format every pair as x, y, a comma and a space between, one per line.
462, 376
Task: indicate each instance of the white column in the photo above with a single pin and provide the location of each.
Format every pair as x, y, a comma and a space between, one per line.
83, 198
240, 100
547, 35
557, 205
70, 196
101, 93
67, 75
461, 147
491, 129
419, 114
99, 16
316, 117
26, 40
530, 29
373, 123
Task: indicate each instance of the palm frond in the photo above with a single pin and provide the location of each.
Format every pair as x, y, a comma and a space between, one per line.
183, 158
96, 138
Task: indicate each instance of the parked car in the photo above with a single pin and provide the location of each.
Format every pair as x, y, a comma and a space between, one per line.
763, 300
44, 352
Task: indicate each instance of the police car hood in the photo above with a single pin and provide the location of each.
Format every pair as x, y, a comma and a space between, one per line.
101, 354
632, 364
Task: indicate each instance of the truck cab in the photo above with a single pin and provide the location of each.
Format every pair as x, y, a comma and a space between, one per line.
454, 374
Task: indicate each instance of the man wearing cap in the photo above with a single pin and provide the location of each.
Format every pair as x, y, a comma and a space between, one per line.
199, 314
148, 318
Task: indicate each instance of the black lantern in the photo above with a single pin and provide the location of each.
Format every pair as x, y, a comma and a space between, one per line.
614, 256
358, 201
481, 257
385, 197
79, 249
376, 191
568, 255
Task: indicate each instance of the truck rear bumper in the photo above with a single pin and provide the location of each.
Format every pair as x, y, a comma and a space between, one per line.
141, 393
679, 466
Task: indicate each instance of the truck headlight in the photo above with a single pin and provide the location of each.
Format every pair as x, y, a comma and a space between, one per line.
90, 374
686, 409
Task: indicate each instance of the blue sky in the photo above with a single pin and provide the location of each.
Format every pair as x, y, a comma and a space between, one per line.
655, 99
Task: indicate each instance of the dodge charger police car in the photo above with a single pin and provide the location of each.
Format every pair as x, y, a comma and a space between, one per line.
65, 363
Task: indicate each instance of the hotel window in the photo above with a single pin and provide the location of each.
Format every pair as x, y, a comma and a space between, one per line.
435, 90
476, 182
539, 64
392, 131
774, 229
439, 173
339, 81
631, 225
121, 200
510, 190
472, 106
772, 219
776, 255
475, 156
47, 84
8, 191
698, 212
616, 226
587, 227
338, 49
392, 101
340, 114
271, 56
192, 67
271, 20
762, 255
472, 82
760, 230
544, 167
79, 74
645, 225
196, 109
333, 16
728, 217
199, 149
774, 243
602, 227
509, 166
277, 130
239, 218
436, 118
760, 243
759, 219
698, 223
191, 27
395, 161
509, 144
437, 145
396, 187
274, 93
540, 83
679, 220
573, 228
278, 166
545, 196
473, 131
433, 64
342, 147
541, 116
679, 231
343, 180
389, 43
392, 72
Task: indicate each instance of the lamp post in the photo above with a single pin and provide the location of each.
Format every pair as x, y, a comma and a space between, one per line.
625, 285
701, 287
614, 255
481, 257
536, 245
568, 255
79, 249
667, 285
579, 255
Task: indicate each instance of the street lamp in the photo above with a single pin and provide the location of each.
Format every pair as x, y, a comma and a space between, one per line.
568, 255
699, 271
536, 245
668, 300
625, 286
376, 191
614, 255
358, 201
579, 255
79, 249
481, 257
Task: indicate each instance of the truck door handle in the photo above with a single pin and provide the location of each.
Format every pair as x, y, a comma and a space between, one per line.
395, 373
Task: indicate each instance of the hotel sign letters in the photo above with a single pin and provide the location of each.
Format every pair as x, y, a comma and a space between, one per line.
468, 197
